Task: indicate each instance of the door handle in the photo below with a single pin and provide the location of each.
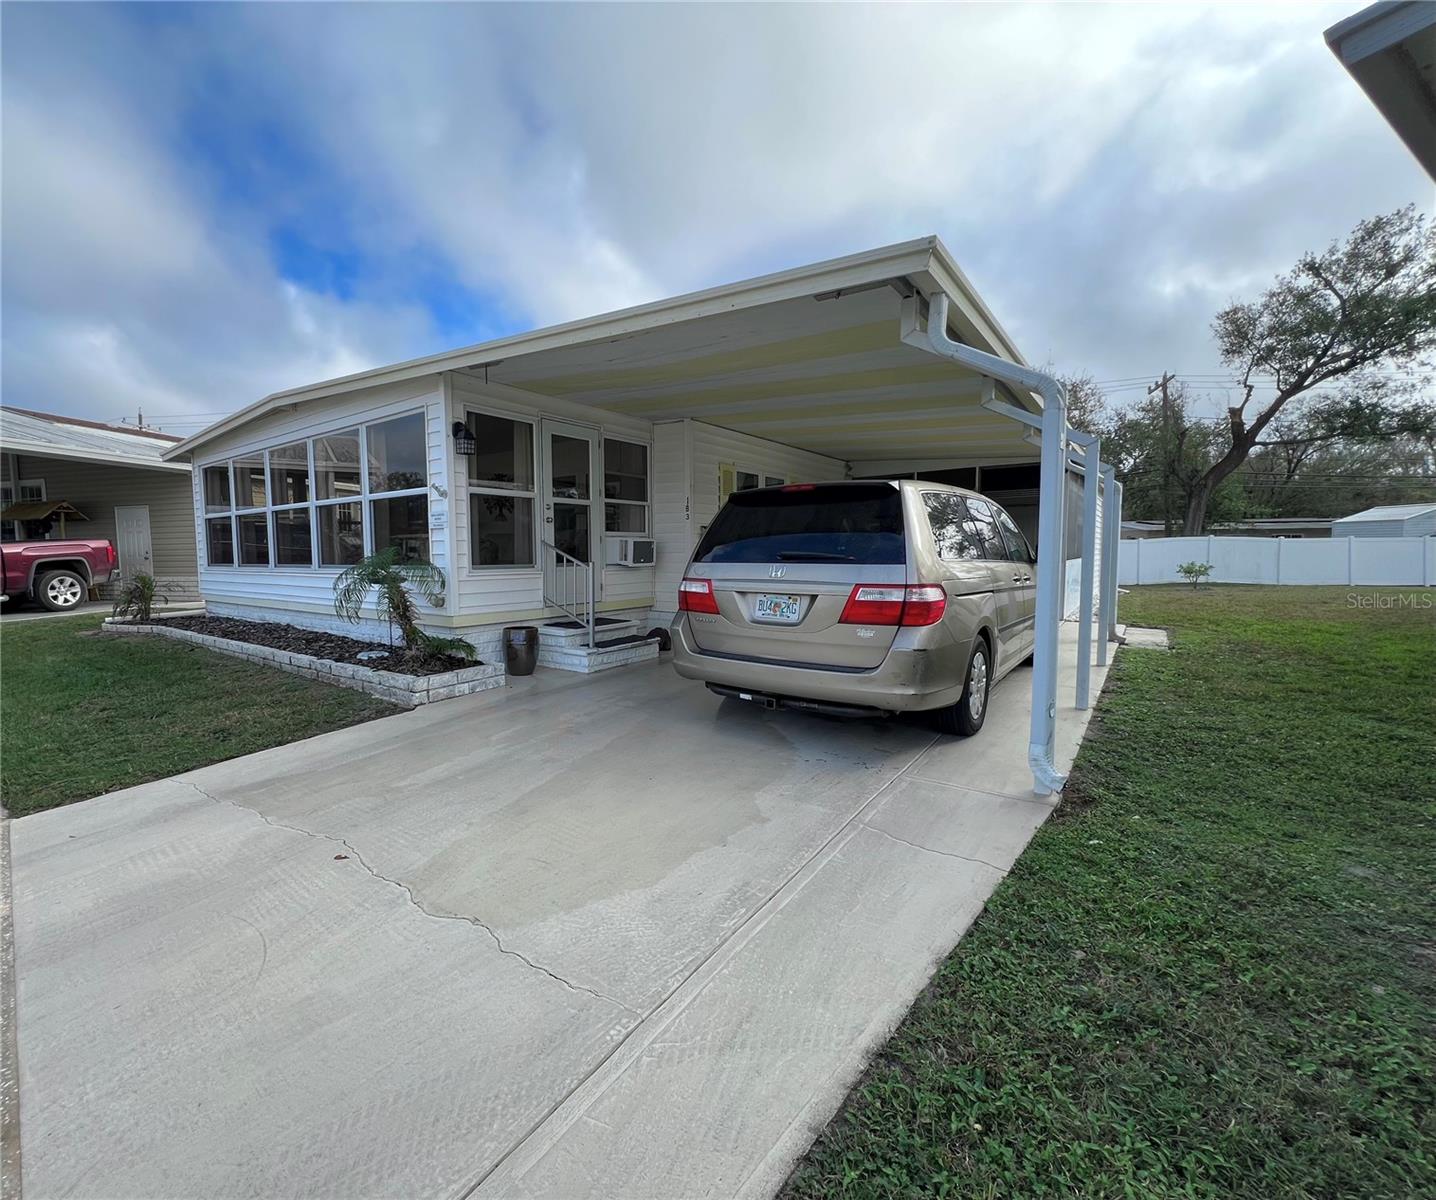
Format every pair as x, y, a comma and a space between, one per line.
1017, 578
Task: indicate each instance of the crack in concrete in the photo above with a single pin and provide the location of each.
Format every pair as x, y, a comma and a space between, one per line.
982, 862
413, 899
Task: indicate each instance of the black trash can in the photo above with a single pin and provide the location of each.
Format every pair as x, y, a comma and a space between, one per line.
521, 644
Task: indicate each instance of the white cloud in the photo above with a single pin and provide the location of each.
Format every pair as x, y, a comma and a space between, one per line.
1109, 176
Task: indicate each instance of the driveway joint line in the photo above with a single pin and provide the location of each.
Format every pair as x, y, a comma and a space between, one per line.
982, 862
414, 900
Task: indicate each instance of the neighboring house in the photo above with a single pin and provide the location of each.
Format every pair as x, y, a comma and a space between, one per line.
567, 473
115, 483
1278, 527
1390, 50
1388, 521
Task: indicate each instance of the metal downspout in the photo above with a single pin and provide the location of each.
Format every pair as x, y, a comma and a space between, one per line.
1116, 580
1050, 532
1091, 473
1111, 548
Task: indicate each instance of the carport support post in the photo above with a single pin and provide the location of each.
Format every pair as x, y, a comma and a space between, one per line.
1091, 477
1110, 549
1051, 568
1116, 578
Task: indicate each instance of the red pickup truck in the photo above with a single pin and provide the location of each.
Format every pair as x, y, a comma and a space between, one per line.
57, 574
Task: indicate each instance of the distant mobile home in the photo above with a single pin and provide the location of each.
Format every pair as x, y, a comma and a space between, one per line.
1388, 521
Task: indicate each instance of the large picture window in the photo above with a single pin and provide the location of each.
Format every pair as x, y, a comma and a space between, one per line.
323, 502
501, 492
625, 486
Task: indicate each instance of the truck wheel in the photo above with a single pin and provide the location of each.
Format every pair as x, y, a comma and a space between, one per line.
60, 591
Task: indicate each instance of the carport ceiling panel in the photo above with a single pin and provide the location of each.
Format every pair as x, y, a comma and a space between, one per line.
828, 375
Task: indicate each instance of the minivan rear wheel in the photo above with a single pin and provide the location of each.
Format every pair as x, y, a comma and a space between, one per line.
965, 718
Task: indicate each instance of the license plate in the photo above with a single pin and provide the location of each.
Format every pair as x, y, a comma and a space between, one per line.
776, 608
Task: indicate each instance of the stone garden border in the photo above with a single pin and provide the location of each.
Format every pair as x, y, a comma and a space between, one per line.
408, 690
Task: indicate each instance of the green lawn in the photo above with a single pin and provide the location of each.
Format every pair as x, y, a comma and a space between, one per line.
1213, 973
83, 713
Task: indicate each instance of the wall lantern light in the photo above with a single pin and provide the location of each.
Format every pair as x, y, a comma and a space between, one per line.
464, 442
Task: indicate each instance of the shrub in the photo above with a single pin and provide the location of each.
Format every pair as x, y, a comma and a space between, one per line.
136, 597
1194, 572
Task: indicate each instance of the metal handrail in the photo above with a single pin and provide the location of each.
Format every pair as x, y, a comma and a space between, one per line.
572, 587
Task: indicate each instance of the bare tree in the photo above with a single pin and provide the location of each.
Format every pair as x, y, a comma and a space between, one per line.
1332, 323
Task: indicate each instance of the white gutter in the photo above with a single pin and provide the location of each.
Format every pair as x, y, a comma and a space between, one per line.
1112, 578
1091, 472
1051, 567
1111, 549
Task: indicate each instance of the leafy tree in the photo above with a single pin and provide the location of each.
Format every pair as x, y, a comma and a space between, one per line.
1086, 404
1332, 323
1159, 456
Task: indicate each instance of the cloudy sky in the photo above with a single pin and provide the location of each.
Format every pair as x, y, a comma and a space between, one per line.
204, 204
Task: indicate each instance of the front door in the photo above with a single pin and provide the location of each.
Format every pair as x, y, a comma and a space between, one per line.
132, 540
570, 455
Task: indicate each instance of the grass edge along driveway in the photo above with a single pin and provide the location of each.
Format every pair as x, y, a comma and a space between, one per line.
83, 713
1213, 973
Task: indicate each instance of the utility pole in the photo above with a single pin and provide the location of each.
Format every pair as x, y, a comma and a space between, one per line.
1163, 385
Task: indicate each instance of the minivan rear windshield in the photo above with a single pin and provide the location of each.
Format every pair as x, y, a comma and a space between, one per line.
826, 523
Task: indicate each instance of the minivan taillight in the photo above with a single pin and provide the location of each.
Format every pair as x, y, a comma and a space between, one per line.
894, 604
696, 595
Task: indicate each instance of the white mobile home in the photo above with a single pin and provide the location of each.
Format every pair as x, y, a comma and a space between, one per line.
563, 476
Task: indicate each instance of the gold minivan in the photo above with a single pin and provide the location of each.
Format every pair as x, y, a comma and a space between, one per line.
857, 598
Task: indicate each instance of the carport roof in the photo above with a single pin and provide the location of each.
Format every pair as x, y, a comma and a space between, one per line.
50, 435
812, 357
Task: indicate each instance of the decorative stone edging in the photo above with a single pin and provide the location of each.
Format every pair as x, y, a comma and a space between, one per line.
408, 690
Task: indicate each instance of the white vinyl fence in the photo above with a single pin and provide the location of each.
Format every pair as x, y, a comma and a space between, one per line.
1405, 562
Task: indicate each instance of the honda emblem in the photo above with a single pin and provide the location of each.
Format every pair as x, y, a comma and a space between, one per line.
777, 572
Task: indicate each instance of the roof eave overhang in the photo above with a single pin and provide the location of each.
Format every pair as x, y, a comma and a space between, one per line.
925, 262
41, 450
1380, 47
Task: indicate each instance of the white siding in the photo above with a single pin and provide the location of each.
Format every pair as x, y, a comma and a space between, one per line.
705, 447
713, 445
494, 594
671, 515
308, 589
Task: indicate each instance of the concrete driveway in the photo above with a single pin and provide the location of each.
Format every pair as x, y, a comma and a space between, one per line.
602, 936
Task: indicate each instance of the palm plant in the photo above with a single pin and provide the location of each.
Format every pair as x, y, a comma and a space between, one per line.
392, 580
136, 598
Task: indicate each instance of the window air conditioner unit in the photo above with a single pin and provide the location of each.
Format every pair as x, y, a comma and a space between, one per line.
630, 552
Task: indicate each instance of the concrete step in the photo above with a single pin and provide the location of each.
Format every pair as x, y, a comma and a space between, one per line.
620, 653
572, 633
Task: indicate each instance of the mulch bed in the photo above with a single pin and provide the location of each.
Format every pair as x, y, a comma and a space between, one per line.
332, 646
